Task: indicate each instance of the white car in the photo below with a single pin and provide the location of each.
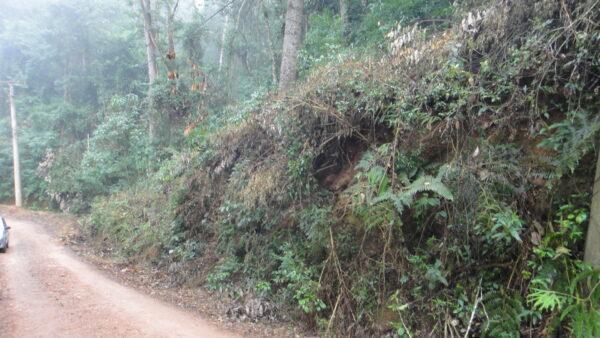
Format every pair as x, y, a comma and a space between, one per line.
3, 235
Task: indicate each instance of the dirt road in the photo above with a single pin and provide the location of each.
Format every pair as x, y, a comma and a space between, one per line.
46, 291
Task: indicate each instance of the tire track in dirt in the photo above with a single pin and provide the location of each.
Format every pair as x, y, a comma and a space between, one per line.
47, 291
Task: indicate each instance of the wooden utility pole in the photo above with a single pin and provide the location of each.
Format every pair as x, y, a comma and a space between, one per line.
592, 242
16, 162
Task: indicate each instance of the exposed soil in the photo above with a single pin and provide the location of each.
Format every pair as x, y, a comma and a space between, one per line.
52, 284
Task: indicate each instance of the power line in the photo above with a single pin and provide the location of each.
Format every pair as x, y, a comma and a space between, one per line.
217, 12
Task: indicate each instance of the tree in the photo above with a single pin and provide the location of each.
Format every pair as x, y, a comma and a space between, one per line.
291, 44
171, 10
151, 51
269, 43
592, 242
151, 48
223, 40
344, 14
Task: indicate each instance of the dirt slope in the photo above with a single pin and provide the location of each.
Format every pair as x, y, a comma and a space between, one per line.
45, 290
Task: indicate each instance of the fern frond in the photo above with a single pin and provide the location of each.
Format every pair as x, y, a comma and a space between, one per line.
426, 183
572, 138
429, 183
547, 300
584, 321
504, 315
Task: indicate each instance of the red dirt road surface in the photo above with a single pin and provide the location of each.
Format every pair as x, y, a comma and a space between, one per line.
46, 291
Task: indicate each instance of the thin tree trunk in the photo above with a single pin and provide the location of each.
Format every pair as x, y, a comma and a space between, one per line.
344, 15
231, 58
592, 242
151, 51
171, 10
270, 45
291, 44
66, 92
150, 43
223, 38
15, 143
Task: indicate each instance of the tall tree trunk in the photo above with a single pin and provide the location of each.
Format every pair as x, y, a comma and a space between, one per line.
223, 40
344, 15
292, 39
592, 242
171, 10
15, 143
67, 80
151, 51
270, 44
232, 59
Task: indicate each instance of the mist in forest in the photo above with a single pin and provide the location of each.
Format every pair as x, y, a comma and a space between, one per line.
336, 167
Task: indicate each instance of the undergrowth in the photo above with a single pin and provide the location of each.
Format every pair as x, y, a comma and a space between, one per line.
441, 190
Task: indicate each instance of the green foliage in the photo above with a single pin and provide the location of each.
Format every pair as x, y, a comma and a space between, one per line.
252, 180
218, 278
315, 222
571, 138
546, 300
432, 273
406, 197
117, 150
399, 307
583, 309
66, 68
499, 224
113, 157
378, 189
505, 313
132, 222
578, 305
299, 280
299, 172
563, 285
382, 16
323, 41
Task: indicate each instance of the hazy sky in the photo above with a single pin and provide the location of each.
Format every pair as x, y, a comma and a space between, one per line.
29, 3
34, 3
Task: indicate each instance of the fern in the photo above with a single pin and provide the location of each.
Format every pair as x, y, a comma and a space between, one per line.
585, 322
547, 300
572, 138
422, 204
429, 183
377, 188
504, 315
315, 221
578, 305
584, 313
426, 183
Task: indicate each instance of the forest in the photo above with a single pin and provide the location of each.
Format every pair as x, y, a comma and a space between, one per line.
393, 168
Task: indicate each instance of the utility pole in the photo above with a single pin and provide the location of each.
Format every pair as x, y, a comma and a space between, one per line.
16, 162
